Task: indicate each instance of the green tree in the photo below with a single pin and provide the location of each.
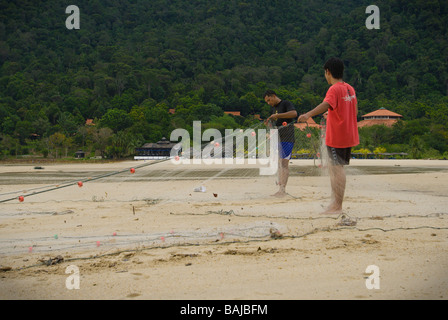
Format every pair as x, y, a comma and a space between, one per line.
205, 57
101, 139
416, 147
116, 119
9, 146
56, 144
122, 144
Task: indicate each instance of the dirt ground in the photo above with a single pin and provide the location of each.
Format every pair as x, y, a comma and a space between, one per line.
150, 235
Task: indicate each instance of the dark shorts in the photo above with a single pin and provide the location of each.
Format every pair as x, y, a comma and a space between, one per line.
339, 156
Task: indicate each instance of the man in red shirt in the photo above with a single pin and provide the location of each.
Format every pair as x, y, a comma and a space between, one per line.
342, 128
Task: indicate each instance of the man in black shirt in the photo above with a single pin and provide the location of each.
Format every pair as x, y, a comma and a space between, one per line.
283, 118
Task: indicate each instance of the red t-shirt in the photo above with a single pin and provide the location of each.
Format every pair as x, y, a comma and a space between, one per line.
342, 125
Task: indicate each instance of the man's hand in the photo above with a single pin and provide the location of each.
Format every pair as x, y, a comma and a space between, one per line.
303, 117
323, 107
271, 118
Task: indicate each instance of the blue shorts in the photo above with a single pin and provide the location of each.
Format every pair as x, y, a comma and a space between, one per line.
286, 150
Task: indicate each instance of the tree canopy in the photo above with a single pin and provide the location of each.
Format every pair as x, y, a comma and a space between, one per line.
132, 61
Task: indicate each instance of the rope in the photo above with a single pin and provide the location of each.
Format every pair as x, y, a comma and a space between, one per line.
70, 183
342, 216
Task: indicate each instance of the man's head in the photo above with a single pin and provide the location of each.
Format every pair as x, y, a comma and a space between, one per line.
334, 68
271, 98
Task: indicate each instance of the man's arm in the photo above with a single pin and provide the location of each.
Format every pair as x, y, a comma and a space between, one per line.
285, 115
323, 107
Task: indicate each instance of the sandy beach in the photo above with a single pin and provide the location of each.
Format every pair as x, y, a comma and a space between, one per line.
150, 235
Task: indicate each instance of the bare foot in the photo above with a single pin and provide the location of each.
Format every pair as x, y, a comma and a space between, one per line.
334, 210
279, 194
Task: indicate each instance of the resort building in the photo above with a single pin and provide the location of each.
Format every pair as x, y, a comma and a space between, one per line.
154, 151
381, 116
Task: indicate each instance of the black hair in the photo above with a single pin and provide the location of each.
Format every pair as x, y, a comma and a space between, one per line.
269, 93
336, 67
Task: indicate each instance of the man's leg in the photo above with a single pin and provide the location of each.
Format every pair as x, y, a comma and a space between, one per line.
283, 167
338, 181
283, 174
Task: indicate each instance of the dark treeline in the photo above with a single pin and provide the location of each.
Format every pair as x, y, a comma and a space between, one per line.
133, 60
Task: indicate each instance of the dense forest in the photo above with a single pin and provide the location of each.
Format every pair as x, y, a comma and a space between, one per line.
131, 61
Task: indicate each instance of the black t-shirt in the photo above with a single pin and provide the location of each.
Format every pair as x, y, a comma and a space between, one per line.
286, 133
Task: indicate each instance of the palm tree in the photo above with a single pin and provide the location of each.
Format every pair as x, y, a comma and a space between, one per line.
416, 145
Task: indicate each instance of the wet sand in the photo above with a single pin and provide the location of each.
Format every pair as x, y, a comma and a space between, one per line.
149, 235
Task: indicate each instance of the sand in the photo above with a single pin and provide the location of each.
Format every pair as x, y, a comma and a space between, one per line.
149, 235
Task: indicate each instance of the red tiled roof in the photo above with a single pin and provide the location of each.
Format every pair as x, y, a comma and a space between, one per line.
89, 122
172, 111
382, 113
233, 113
311, 123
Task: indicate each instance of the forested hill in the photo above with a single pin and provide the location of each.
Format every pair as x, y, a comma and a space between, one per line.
131, 61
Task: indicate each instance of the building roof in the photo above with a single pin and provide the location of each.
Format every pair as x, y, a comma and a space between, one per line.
381, 116
162, 144
233, 113
309, 123
382, 113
